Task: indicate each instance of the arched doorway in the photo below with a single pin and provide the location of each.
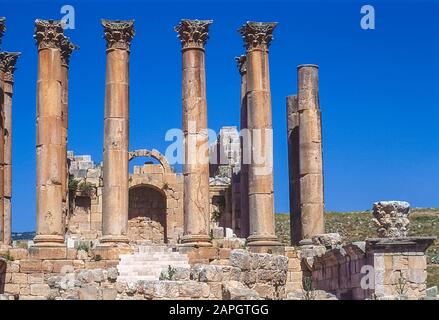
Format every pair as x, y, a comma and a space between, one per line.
147, 214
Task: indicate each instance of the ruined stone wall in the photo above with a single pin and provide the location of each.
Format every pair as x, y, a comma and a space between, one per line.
238, 275
27, 275
338, 271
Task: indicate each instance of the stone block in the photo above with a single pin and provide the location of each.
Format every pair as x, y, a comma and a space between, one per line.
417, 262
400, 262
13, 266
216, 289
19, 278
234, 290
111, 253
240, 259
224, 253
24, 289
265, 291
62, 266
48, 253
19, 253
35, 278
31, 266
47, 266
88, 292
12, 288
217, 232
39, 289
109, 294
71, 254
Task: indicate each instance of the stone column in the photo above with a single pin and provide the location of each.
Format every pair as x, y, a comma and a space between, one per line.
50, 228
310, 159
10, 60
193, 35
257, 37
118, 35
2, 145
294, 169
245, 151
67, 48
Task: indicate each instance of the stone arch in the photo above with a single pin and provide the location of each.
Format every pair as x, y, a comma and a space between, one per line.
147, 201
151, 154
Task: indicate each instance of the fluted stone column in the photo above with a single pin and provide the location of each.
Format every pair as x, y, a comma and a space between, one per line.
193, 35
257, 37
294, 169
67, 48
310, 160
50, 228
118, 35
10, 60
245, 150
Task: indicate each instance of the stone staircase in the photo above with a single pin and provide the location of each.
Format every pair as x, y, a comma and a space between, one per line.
149, 262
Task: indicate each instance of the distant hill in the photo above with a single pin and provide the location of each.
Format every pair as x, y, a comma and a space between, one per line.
27, 235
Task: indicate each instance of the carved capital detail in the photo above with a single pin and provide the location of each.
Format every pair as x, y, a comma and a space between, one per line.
257, 35
48, 34
118, 33
7, 64
67, 48
2, 28
193, 33
242, 64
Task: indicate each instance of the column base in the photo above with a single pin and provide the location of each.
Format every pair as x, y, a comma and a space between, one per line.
196, 240
49, 240
261, 240
110, 239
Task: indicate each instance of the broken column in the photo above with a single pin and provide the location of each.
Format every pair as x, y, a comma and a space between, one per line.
257, 37
50, 228
310, 155
10, 60
67, 48
118, 35
193, 35
294, 169
245, 150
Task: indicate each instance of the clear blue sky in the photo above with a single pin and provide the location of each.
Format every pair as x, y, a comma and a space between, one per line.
379, 88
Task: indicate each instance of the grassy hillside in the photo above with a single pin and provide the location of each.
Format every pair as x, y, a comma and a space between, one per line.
357, 226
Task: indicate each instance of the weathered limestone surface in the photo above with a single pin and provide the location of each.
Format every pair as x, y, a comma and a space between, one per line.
391, 218
245, 149
118, 35
67, 48
50, 228
2, 146
294, 168
257, 37
9, 61
310, 160
193, 35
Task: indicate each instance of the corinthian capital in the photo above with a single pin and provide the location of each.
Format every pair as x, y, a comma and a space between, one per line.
7, 64
257, 35
67, 48
118, 33
242, 64
193, 33
48, 34
2, 28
